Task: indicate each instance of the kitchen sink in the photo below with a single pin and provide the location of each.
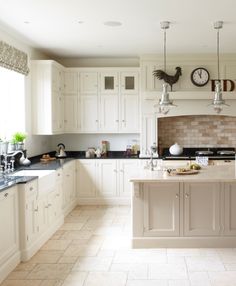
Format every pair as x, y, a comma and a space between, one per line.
46, 178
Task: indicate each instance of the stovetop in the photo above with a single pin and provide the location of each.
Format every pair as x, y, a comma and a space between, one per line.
221, 153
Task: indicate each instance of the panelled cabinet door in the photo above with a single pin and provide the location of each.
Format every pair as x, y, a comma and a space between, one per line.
109, 116
86, 178
201, 209
70, 83
9, 238
129, 121
161, 209
57, 79
71, 113
89, 113
88, 82
42, 214
129, 83
57, 112
31, 214
230, 209
109, 83
107, 178
126, 169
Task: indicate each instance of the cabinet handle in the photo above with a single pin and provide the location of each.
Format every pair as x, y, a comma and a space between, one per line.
122, 171
5, 195
96, 120
49, 205
58, 175
123, 120
186, 196
46, 207
57, 195
177, 196
117, 120
68, 175
115, 170
31, 188
36, 209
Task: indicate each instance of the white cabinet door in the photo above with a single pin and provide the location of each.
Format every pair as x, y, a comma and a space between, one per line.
109, 83
129, 83
42, 214
71, 113
31, 211
201, 209
107, 178
59, 192
86, 178
88, 82
230, 209
126, 169
109, 116
57, 112
89, 113
9, 238
129, 118
161, 209
69, 191
70, 83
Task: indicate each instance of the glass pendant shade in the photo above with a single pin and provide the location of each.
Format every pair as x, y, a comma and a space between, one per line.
165, 104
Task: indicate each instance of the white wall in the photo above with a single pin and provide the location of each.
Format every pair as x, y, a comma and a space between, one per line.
34, 144
99, 62
75, 142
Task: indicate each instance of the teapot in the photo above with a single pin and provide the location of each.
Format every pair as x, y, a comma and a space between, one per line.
61, 151
176, 149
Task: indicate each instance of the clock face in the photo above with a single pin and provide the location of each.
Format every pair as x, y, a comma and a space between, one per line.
200, 76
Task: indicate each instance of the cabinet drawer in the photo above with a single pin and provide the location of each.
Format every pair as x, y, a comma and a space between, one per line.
31, 188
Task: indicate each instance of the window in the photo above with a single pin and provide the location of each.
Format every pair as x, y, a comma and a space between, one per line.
12, 103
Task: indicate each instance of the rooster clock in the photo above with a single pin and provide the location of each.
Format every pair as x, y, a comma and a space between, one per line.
170, 79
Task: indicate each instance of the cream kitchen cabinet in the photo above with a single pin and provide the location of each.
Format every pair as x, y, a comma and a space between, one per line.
47, 97
201, 209
109, 101
161, 209
230, 209
68, 187
40, 215
105, 180
9, 238
71, 102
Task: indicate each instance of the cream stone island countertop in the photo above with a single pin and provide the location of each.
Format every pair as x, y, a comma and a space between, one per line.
215, 172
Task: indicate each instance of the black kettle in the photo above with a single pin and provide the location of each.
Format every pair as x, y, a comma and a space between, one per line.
61, 151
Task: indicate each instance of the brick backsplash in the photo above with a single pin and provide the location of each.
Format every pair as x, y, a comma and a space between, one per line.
197, 131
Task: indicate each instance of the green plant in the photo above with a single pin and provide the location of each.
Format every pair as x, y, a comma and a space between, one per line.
18, 137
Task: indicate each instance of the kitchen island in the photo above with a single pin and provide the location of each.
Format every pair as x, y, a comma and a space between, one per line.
184, 210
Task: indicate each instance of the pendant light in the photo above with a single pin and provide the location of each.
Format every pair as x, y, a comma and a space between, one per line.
218, 101
164, 104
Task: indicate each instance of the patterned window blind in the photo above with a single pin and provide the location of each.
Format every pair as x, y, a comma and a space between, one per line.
13, 59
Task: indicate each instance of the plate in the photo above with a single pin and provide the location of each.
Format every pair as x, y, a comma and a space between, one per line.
189, 172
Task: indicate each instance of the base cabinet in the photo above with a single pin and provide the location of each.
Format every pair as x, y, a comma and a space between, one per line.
161, 209
201, 209
184, 214
105, 180
9, 238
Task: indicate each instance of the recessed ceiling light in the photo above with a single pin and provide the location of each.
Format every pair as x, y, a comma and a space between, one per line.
26, 22
112, 23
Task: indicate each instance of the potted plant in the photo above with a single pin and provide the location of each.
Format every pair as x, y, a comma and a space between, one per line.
19, 138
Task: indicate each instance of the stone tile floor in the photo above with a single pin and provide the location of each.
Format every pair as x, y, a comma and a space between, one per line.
92, 248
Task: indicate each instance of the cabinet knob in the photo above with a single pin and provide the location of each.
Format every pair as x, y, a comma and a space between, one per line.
115, 170
186, 195
177, 196
5, 195
36, 209
122, 171
49, 205
123, 120
58, 175
117, 120
58, 195
96, 120
31, 188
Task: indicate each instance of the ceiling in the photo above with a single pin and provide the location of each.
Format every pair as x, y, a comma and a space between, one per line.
75, 28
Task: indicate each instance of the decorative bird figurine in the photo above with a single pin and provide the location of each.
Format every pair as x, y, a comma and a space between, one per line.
170, 79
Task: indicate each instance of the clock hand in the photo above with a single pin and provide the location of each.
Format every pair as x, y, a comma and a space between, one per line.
200, 73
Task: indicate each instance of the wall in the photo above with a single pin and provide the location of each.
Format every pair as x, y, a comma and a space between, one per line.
197, 131
99, 62
34, 144
74, 142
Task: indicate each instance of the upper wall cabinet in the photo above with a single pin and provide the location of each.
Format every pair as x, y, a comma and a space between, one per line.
109, 101
47, 97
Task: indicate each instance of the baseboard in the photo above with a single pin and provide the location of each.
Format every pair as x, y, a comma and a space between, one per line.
9, 265
67, 210
183, 242
103, 201
27, 253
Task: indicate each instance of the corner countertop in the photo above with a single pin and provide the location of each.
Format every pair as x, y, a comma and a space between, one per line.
214, 173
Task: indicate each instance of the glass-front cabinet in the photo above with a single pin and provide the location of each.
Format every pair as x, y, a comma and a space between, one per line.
129, 82
109, 83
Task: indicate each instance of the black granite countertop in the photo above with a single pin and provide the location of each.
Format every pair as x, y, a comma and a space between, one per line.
9, 181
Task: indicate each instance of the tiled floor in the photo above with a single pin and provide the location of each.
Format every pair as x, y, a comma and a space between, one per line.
93, 248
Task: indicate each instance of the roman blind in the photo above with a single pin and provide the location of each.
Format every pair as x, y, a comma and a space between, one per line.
13, 59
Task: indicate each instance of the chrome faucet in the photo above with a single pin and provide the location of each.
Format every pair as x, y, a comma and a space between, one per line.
153, 150
10, 155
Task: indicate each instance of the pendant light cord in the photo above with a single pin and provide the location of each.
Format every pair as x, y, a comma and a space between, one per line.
218, 53
164, 49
